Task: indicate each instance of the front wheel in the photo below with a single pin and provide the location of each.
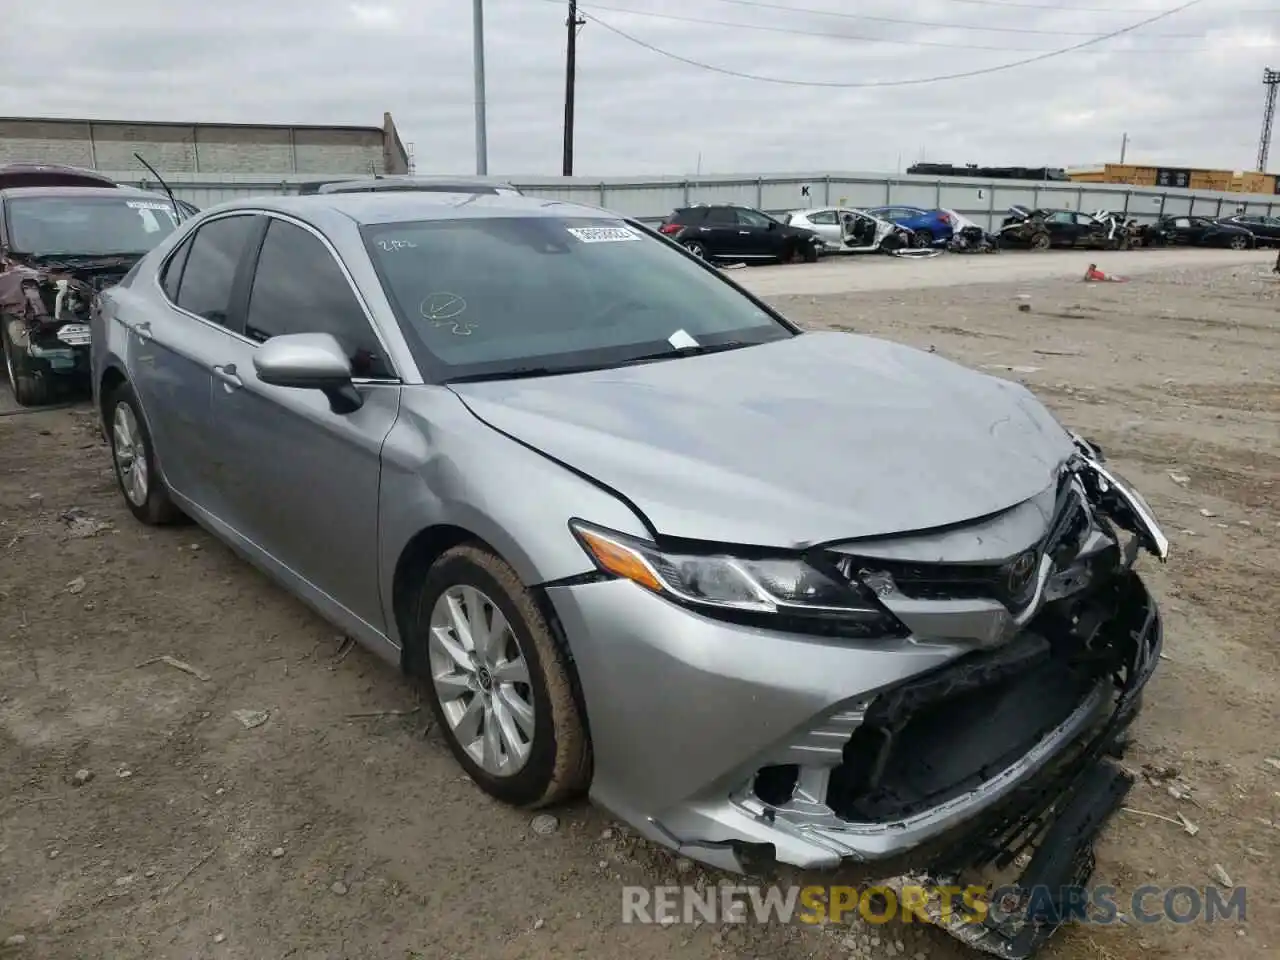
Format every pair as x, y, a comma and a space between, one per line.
499, 681
29, 387
134, 460
1040, 242
1239, 243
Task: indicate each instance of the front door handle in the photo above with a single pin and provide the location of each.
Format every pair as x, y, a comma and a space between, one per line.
744, 233
142, 329
227, 374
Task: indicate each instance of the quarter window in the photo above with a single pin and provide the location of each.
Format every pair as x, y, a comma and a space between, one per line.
173, 271
298, 287
206, 283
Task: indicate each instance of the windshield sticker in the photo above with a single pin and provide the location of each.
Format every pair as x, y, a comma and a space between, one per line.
443, 309
390, 245
603, 234
147, 205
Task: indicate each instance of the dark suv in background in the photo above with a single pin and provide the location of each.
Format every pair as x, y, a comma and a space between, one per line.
726, 231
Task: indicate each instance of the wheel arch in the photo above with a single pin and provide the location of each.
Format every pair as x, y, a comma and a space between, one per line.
421, 551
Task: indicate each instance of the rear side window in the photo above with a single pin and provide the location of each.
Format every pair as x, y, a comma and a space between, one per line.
823, 217
722, 215
298, 287
690, 215
173, 270
210, 271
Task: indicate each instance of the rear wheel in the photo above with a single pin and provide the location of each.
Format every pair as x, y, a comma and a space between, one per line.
697, 248
29, 387
1239, 243
499, 681
134, 460
922, 238
811, 253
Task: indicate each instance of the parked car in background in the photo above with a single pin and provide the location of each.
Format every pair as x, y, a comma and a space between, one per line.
926, 226
1265, 230
727, 231
424, 184
764, 593
845, 230
1201, 232
59, 247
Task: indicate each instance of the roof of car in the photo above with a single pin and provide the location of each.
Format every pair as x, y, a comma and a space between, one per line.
72, 192
396, 206
463, 184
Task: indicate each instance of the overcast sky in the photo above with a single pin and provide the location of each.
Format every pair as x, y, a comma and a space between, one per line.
1188, 89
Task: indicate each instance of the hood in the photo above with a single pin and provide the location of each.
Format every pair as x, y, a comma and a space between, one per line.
821, 437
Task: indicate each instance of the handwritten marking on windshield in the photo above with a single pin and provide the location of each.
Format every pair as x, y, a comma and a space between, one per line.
442, 309
391, 245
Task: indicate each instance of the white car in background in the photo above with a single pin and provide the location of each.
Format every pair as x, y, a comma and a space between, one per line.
846, 230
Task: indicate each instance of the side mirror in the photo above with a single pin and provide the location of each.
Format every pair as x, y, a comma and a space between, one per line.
309, 361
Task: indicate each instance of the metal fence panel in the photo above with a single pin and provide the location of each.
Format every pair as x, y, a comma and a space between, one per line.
985, 202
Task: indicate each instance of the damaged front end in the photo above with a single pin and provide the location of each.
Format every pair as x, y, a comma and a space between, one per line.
998, 761
45, 309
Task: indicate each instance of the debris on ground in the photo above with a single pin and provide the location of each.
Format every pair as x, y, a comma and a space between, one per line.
80, 525
251, 718
544, 824
76, 586
339, 888
81, 777
1221, 876
177, 665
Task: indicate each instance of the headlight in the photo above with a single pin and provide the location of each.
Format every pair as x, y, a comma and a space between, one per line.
783, 593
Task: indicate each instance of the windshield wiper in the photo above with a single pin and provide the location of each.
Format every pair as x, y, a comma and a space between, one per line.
696, 350
523, 373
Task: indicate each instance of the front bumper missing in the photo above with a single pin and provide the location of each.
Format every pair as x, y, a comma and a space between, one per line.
1048, 827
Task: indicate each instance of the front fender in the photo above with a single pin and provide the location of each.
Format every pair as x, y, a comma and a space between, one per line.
441, 465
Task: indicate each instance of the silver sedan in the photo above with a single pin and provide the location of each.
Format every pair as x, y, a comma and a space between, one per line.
846, 230
811, 595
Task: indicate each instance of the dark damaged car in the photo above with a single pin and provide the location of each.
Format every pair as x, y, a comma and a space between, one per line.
60, 246
1042, 229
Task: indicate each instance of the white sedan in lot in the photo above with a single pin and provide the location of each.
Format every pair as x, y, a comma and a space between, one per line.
846, 230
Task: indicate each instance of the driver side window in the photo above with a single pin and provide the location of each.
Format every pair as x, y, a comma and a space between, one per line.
298, 287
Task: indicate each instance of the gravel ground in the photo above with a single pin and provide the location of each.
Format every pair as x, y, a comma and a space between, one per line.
319, 834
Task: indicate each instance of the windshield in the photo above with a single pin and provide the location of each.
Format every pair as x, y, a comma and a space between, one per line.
87, 226
495, 296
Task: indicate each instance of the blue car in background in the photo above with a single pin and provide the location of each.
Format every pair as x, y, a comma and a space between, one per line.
928, 226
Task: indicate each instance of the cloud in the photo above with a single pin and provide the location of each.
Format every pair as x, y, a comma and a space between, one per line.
1187, 90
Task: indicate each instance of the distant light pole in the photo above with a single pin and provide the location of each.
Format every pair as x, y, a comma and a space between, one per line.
477, 36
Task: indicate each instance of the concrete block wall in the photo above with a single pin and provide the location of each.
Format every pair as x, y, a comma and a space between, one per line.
210, 150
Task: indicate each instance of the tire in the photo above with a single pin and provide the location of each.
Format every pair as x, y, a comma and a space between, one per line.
922, 238
130, 446
556, 765
810, 254
1040, 242
1238, 243
697, 248
30, 389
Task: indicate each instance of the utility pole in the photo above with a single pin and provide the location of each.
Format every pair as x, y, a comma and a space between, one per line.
570, 82
1124, 146
1272, 79
482, 134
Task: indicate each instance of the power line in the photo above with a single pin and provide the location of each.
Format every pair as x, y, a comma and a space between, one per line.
834, 84
762, 5
825, 35
1012, 5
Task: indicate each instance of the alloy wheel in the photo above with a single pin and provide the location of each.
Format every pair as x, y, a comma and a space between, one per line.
481, 678
130, 455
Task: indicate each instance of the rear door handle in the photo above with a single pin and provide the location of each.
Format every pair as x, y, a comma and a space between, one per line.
227, 374
744, 233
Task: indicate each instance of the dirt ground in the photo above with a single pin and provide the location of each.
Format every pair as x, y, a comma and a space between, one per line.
322, 834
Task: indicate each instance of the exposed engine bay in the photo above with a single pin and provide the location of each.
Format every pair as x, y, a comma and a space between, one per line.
45, 305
